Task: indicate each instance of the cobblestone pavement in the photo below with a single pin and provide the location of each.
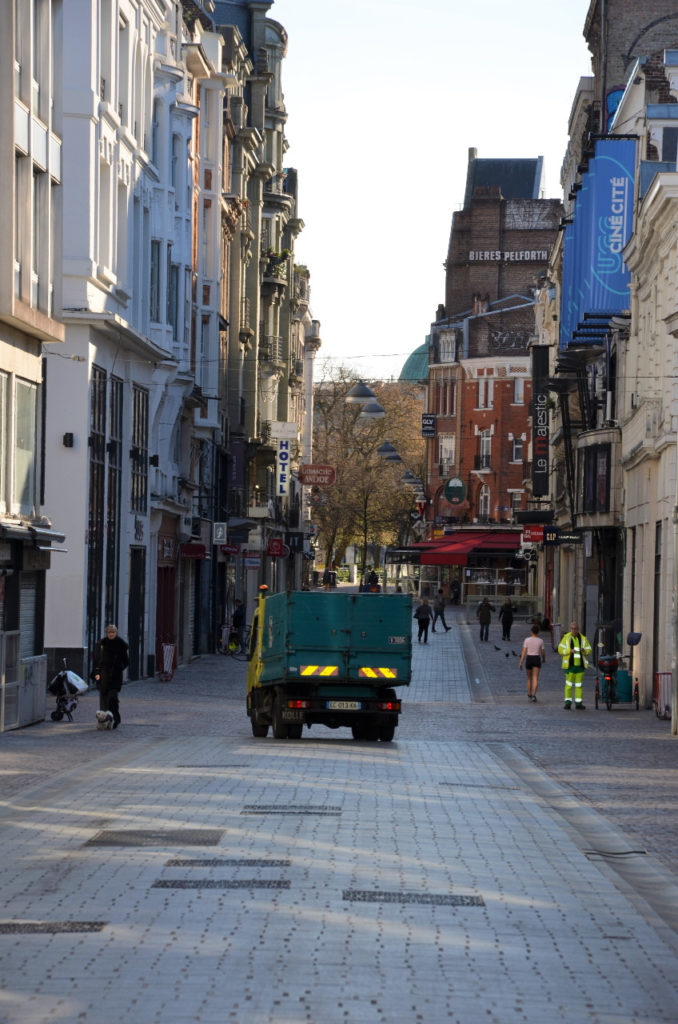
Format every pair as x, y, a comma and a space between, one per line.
501, 861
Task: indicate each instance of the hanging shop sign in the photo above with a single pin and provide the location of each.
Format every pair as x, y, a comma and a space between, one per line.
283, 482
455, 491
321, 476
428, 424
533, 534
540, 421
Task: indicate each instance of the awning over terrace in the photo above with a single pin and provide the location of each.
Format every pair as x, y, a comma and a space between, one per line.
454, 549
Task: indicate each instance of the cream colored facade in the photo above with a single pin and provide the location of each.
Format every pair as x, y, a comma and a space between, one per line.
648, 393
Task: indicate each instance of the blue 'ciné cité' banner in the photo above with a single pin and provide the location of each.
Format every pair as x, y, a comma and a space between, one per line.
595, 278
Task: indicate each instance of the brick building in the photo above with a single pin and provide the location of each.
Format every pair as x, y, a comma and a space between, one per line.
478, 464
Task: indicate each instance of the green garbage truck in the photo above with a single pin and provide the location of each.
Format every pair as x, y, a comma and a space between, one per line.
328, 658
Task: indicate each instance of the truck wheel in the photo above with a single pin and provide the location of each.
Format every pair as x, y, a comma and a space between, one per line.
359, 732
294, 732
260, 731
387, 732
280, 728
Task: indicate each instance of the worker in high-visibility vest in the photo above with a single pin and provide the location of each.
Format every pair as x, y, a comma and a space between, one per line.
574, 647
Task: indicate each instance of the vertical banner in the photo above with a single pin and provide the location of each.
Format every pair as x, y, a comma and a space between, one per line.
567, 306
540, 421
613, 189
595, 278
283, 480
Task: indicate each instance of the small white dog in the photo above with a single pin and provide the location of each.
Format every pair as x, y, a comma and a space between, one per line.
105, 719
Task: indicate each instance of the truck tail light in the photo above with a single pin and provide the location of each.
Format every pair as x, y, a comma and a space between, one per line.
298, 705
389, 705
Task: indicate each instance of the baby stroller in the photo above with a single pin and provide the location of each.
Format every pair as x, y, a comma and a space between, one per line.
66, 687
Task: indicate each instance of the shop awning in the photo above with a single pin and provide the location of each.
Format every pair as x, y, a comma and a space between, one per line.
43, 537
455, 548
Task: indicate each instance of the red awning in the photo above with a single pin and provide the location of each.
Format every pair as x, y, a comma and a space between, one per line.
499, 542
455, 548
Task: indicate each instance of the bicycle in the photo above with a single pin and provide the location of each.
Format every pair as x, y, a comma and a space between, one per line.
610, 665
229, 643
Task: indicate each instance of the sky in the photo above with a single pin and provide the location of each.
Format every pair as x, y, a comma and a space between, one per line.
384, 100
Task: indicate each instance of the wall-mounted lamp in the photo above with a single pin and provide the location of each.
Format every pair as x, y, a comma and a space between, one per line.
67, 440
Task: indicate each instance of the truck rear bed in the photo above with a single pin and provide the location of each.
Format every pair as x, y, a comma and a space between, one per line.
329, 658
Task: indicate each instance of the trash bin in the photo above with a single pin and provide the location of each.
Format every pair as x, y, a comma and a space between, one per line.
624, 686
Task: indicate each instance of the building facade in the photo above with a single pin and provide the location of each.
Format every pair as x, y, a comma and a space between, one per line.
30, 206
479, 374
157, 343
609, 331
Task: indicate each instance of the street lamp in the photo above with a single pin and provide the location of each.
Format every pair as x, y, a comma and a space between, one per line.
388, 452
372, 411
360, 394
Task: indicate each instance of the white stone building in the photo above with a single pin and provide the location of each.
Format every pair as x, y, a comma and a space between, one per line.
137, 388
31, 172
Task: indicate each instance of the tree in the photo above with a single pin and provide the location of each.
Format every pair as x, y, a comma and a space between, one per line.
368, 504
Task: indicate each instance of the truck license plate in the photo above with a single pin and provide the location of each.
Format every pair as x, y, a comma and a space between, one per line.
343, 705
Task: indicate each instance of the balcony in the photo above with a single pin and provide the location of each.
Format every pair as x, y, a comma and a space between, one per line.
271, 349
259, 509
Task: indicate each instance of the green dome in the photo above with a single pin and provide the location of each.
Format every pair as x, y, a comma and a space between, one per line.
415, 367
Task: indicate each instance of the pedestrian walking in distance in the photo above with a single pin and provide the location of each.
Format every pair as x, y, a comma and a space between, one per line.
484, 616
506, 618
534, 656
574, 648
111, 658
423, 616
439, 611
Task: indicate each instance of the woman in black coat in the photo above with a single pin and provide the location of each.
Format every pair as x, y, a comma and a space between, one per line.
506, 618
110, 661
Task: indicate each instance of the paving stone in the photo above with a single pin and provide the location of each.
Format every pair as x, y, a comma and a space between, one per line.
481, 795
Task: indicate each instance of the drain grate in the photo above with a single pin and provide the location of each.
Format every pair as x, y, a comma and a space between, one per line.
157, 837
614, 853
221, 883
431, 898
213, 766
327, 809
226, 862
49, 927
478, 785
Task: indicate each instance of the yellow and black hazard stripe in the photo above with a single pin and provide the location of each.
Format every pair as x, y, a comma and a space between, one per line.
378, 673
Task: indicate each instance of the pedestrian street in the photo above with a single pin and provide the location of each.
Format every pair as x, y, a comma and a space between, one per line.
185, 871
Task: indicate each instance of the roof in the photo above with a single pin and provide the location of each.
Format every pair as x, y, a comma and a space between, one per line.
516, 179
234, 12
415, 367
